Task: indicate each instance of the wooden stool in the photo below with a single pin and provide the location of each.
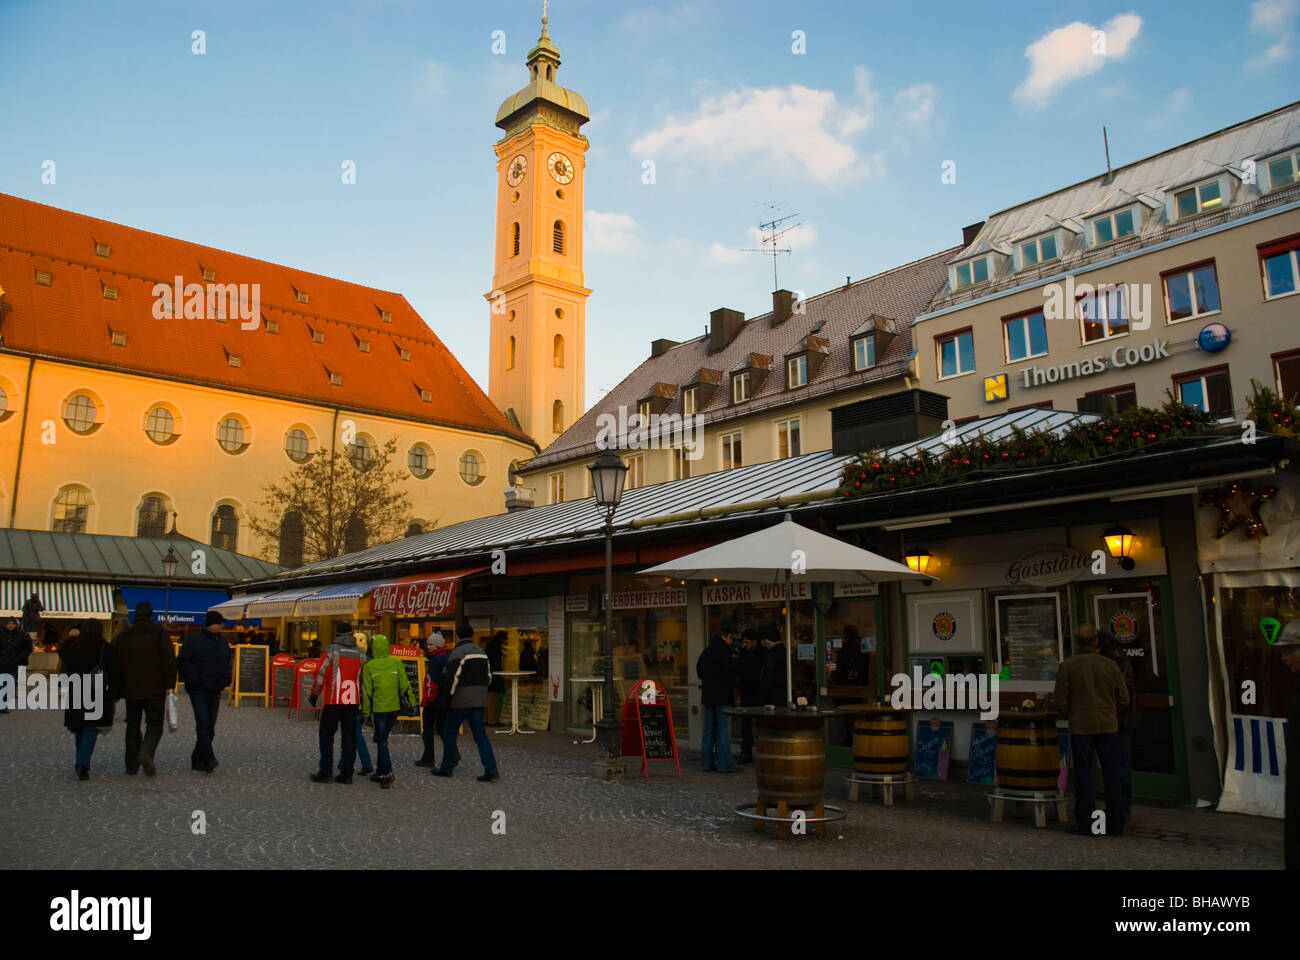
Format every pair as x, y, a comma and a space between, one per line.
887, 782
1038, 798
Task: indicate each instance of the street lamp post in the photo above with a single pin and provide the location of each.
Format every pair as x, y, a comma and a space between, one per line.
169, 570
608, 473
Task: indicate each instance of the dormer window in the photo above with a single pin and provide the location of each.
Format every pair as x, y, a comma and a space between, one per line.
385, 316
972, 272
209, 274
302, 295
688, 401
110, 293
864, 353
317, 336
234, 359
426, 396
1038, 250
796, 372
118, 338
336, 379
102, 249
644, 409
404, 354
273, 326
1198, 199
740, 387
363, 345
44, 278
1114, 226
1284, 170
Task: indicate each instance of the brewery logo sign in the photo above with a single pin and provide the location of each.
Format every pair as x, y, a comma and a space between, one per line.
944, 626
1124, 627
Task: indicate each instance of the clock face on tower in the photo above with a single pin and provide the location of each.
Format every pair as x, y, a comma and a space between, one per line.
518, 167
561, 168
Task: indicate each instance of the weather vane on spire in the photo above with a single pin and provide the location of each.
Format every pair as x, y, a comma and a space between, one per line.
546, 6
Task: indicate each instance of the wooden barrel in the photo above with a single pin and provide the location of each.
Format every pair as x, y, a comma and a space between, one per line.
791, 765
1028, 754
880, 742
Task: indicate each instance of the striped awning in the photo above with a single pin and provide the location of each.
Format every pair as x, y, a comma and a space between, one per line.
233, 609
339, 600
279, 604
62, 601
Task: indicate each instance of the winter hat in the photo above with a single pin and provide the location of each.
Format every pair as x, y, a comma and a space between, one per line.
213, 618
343, 626
464, 631
144, 612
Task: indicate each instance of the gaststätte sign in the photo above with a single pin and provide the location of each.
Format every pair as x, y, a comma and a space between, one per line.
1048, 567
421, 598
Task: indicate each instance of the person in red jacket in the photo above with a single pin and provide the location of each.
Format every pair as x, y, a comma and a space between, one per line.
339, 678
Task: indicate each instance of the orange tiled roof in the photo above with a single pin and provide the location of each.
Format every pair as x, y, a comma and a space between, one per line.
72, 320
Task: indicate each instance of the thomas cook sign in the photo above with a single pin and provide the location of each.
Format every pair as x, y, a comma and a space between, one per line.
1119, 357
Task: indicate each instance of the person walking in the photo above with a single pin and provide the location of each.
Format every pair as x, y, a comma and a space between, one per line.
716, 681
86, 655
32, 611
771, 684
496, 654
1128, 720
204, 667
467, 678
15, 647
750, 681
148, 674
433, 699
385, 690
1090, 692
338, 678
1288, 645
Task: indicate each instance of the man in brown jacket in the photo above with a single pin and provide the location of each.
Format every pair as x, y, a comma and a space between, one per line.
148, 672
1090, 692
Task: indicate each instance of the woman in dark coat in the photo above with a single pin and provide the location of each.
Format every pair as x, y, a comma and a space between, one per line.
86, 655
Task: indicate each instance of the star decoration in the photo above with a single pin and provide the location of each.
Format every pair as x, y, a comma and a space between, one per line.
1238, 504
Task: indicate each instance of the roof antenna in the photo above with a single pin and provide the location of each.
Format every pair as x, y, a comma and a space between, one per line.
773, 235
1106, 141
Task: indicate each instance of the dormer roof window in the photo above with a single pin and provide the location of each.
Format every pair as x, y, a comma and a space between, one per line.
1038, 250
701, 388
302, 295
1284, 170
971, 272
1198, 199
1113, 226
102, 249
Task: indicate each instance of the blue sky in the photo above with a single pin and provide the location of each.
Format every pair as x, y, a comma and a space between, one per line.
241, 148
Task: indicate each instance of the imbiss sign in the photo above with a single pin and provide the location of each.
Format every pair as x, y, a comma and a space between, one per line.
422, 598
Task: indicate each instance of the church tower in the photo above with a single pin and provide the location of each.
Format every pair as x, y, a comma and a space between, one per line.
537, 304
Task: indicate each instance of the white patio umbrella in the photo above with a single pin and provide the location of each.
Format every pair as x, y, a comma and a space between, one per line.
785, 553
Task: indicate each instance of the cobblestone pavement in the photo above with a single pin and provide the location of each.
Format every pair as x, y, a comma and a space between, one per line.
262, 811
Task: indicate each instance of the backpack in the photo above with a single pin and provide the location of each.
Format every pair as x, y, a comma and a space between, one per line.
430, 691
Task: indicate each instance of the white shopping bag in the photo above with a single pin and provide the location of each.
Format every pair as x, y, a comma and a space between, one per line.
173, 718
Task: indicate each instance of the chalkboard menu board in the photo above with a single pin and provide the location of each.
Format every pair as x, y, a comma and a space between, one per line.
305, 679
1029, 635
654, 731
251, 671
284, 670
413, 674
929, 742
983, 747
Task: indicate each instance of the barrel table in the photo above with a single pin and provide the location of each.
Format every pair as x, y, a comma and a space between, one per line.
881, 750
1028, 762
790, 767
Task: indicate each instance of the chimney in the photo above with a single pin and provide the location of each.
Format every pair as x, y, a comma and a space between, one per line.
519, 498
968, 234
782, 306
659, 347
724, 325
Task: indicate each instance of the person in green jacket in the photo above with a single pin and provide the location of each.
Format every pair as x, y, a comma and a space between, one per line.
385, 687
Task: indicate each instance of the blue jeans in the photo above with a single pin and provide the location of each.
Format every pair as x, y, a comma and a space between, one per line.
1082, 746
717, 735
206, 703
384, 723
86, 745
363, 752
342, 719
451, 726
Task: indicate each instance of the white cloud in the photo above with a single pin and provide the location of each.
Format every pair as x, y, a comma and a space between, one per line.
1071, 52
1268, 16
798, 238
610, 233
1271, 18
432, 80
915, 104
723, 254
795, 128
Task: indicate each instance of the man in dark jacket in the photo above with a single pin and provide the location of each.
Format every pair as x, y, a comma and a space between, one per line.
1128, 720
433, 698
204, 666
466, 678
148, 673
716, 683
772, 685
15, 648
751, 680
1090, 691
32, 611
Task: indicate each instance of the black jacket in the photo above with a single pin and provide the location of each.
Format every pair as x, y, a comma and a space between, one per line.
204, 661
15, 647
148, 661
714, 670
81, 658
751, 676
772, 683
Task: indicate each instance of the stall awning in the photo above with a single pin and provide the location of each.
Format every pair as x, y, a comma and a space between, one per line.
180, 605
338, 600
279, 604
421, 594
62, 601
